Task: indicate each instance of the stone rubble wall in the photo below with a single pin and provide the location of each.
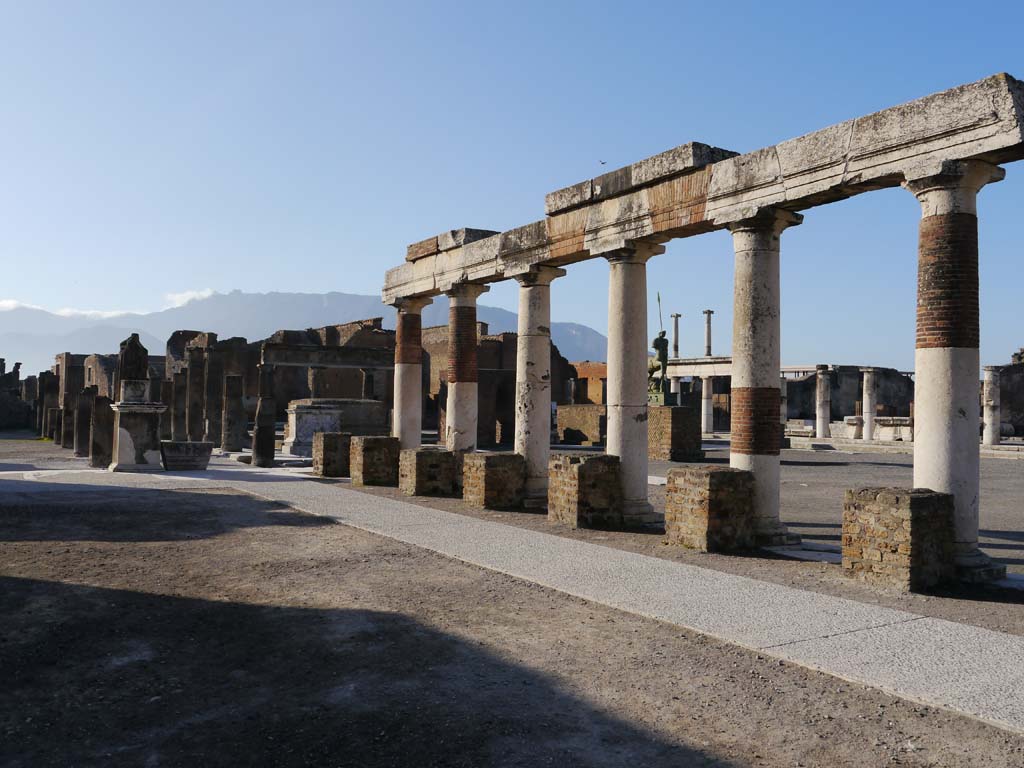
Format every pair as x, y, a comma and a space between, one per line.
673, 434
374, 460
331, 454
585, 491
493, 480
710, 508
428, 471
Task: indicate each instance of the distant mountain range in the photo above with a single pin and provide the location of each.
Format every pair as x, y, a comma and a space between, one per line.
33, 336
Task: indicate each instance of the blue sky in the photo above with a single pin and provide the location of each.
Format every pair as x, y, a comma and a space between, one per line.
162, 148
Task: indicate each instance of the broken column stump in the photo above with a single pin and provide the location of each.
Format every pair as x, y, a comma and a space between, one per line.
493, 480
331, 454
673, 434
710, 508
585, 491
374, 460
899, 537
428, 471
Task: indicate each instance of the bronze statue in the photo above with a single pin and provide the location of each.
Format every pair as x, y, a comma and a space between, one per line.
660, 345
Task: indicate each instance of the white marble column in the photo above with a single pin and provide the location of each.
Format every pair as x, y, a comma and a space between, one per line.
675, 335
869, 403
627, 376
462, 412
823, 403
707, 405
756, 362
533, 380
991, 405
407, 416
946, 361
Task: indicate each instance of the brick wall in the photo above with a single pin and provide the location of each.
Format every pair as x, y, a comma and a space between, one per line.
585, 491
947, 281
710, 508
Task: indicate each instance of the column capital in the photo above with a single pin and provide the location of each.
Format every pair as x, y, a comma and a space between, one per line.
466, 292
950, 186
635, 253
412, 305
773, 220
539, 275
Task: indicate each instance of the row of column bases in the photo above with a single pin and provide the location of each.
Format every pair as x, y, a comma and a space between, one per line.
946, 451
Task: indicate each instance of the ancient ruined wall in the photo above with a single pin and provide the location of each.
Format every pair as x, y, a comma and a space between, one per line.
1011, 395
894, 393
175, 355
99, 372
589, 382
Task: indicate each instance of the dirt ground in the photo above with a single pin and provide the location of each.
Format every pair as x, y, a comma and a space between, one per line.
164, 628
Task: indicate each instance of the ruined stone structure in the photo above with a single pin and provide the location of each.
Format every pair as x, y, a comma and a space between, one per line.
709, 508
943, 149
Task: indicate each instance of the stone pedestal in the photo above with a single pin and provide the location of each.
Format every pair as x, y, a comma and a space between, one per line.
673, 434
374, 460
585, 491
354, 416
428, 471
233, 419
899, 537
136, 429
331, 454
493, 480
186, 456
101, 433
710, 508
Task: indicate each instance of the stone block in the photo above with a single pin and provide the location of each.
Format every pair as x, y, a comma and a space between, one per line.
710, 508
899, 537
331, 454
493, 480
673, 434
428, 472
184, 456
582, 424
374, 460
585, 491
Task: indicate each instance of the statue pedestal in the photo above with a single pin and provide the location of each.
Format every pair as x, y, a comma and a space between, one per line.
136, 429
312, 415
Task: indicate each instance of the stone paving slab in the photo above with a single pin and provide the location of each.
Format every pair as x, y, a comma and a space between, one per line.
971, 670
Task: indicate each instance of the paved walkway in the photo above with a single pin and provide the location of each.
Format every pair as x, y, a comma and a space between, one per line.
964, 668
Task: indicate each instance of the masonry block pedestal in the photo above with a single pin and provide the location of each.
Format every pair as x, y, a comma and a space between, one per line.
899, 537
428, 472
710, 508
184, 456
493, 480
331, 454
673, 434
585, 491
374, 460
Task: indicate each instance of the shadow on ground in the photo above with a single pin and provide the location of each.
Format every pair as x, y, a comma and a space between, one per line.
112, 677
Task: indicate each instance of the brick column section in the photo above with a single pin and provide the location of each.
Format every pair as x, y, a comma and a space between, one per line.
756, 363
462, 407
627, 376
946, 361
533, 381
407, 417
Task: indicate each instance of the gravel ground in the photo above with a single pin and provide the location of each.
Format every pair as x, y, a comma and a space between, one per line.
186, 627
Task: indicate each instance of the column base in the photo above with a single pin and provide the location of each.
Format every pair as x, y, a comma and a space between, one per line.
772, 533
640, 514
976, 567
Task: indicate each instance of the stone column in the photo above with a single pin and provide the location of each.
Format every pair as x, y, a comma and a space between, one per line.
83, 419
194, 384
74, 381
673, 385
946, 361
179, 408
823, 403
263, 431
233, 421
101, 433
783, 409
213, 395
316, 379
407, 416
990, 402
533, 381
627, 376
707, 405
707, 331
675, 336
869, 403
756, 363
461, 408
167, 398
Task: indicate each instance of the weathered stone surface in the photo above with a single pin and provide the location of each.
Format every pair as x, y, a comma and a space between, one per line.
355, 416
305, 355
673, 434
185, 456
898, 537
56, 415
582, 424
213, 395
83, 419
428, 471
101, 433
167, 398
493, 480
446, 241
331, 454
194, 379
263, 430
179, 407
234, 419
374, 460
136, 429
585, 491
710, 508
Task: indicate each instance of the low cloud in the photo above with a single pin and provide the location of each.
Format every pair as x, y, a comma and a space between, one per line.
7, 305
181, 299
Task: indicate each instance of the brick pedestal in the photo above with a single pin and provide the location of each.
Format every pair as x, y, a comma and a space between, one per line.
493, 480
585, 491
673, 434
710, 508
427, 472
582, 424
899, 537
331, 451
374, 461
